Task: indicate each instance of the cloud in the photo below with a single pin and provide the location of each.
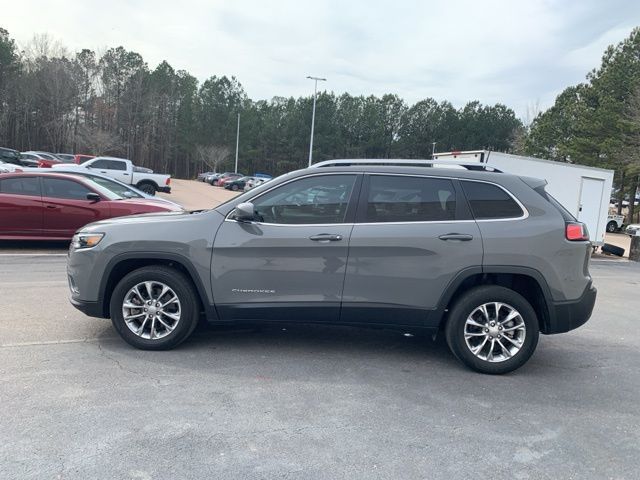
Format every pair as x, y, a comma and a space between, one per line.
516, 53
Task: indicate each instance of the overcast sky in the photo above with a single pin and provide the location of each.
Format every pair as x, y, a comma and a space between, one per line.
520, 53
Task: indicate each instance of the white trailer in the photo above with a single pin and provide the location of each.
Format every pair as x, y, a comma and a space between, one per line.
583, 191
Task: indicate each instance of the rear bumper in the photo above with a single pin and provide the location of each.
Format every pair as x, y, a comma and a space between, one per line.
92, 309
566, 316
165, 189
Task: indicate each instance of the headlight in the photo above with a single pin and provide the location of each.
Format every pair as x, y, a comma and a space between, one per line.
86, 240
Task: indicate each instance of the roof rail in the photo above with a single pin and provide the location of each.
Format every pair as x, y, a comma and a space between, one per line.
344, 162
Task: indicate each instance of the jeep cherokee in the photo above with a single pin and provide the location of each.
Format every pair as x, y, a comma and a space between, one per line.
488, 259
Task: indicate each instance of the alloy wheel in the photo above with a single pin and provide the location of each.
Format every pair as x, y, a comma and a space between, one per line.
494, 332
151, 310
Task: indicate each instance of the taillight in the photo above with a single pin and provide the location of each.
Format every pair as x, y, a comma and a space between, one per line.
168, 181
576, 232
41, 164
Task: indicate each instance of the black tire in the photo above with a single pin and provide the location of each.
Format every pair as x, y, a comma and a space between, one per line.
612, 227
234, 188
147, 188
183, 289
612, 249
466, 304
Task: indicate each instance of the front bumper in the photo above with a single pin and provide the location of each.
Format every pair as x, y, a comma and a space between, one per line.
165, 189
92, 309
566, 316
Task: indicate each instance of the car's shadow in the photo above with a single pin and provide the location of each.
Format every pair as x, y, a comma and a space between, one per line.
294, 351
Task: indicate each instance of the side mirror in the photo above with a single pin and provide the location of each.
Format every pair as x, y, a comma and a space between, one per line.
244, 212
94, 197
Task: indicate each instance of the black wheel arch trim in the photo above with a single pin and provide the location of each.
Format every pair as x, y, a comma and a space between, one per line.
548, 322
209, 309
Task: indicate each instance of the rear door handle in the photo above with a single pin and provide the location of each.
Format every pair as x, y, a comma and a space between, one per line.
463, 237
325, 237
52, 206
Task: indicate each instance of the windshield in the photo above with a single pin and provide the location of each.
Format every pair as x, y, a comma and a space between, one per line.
102, 190
117, 188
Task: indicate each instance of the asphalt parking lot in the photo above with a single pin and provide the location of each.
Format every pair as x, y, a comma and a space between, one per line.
307, 402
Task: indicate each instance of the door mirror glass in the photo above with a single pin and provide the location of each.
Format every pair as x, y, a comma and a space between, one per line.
244, 211
94, 197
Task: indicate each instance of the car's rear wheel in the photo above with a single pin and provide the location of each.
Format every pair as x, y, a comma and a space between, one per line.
154, 308
492, 329
147, 188
612, 227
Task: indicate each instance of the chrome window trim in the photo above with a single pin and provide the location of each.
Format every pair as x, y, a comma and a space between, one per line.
508, 219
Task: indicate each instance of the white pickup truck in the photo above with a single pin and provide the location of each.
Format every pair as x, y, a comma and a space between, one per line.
125, 171
614, 222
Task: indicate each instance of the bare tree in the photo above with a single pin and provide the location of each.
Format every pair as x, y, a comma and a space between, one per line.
97, 141
212, 155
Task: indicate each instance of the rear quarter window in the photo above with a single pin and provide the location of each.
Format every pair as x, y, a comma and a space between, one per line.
490, 202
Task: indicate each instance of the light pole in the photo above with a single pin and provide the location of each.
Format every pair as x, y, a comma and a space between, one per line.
313, 116
433, 149
237, 142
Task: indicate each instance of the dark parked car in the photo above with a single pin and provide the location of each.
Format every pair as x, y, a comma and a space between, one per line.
9, 155
50, 206
236, 184
488, 259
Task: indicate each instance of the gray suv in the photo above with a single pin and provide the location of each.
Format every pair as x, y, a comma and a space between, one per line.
486, 258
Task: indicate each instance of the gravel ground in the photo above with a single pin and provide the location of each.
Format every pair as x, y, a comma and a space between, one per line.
194, 195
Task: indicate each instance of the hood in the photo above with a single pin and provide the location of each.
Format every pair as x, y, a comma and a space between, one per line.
150, 202
149, 219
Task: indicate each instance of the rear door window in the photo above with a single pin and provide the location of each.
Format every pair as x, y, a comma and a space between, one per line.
490, 202
21, 186
395, 198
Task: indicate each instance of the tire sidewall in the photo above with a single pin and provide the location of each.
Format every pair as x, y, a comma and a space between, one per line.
182, 288
148, 188
473, 299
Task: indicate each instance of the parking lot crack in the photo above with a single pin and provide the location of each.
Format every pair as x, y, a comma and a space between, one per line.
125, 369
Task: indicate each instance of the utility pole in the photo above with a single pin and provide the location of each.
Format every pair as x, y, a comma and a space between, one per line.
237, 142
433, 149
313, 115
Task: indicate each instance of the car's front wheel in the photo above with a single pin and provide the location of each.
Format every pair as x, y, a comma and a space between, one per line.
154, 308
492, 329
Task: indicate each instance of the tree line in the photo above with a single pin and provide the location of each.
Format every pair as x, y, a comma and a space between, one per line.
597, 122
114, 103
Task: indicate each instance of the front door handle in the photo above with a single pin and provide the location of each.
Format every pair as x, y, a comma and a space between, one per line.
463, 237
325, 237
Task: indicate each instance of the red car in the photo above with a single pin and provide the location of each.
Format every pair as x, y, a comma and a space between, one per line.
48, 206
82, 158
219, 182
